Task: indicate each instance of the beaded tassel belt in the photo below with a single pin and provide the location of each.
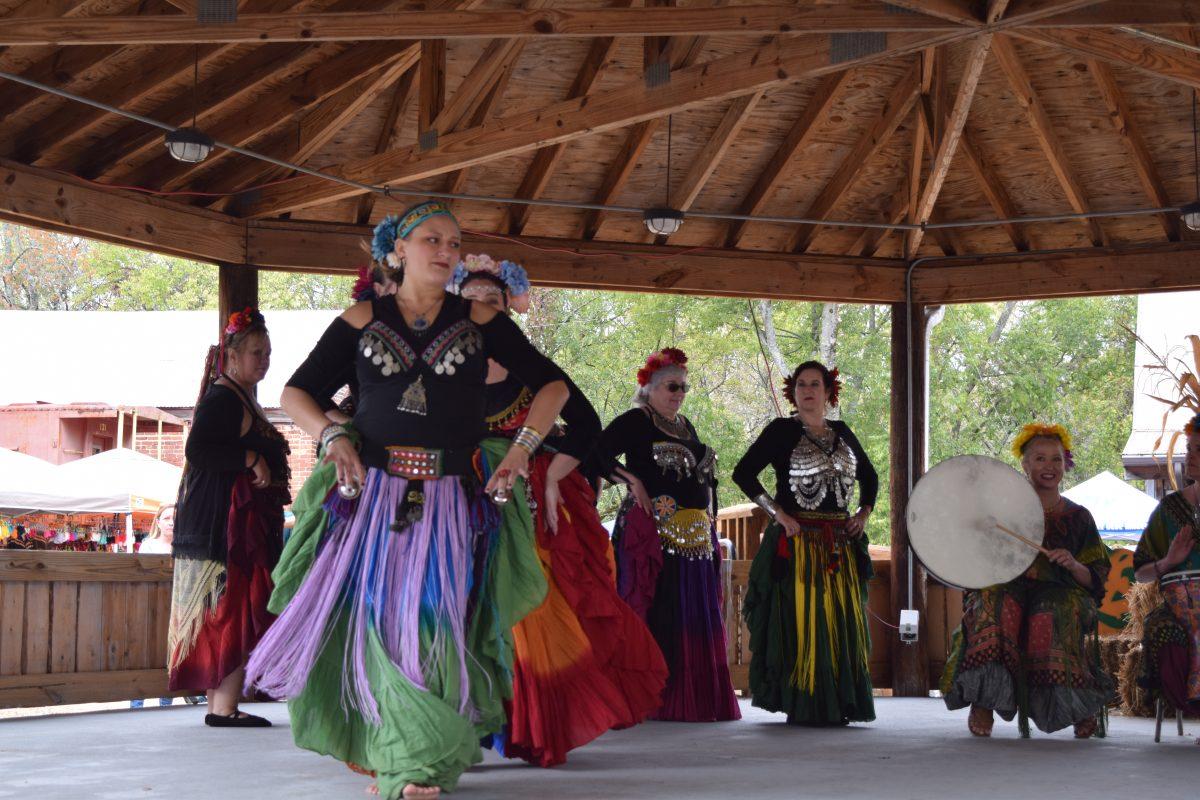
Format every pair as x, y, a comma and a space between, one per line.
687, 532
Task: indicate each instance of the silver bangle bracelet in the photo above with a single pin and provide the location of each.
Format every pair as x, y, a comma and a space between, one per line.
768, 504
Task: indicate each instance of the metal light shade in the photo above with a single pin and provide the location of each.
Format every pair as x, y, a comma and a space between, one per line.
188, 145
662, 221
1191, 215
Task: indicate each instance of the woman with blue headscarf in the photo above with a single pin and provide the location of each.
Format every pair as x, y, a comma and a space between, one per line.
407, 568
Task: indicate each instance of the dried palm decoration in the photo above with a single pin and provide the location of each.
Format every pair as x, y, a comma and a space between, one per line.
1172, 371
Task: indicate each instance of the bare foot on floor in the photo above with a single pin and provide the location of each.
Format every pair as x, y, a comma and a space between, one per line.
417, 790
980, 721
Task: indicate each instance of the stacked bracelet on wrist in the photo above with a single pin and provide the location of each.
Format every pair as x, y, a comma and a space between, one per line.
768, 504
528, 438
331, 433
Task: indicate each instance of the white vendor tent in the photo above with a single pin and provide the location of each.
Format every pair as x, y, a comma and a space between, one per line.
120, 481
1120, 510
28, 484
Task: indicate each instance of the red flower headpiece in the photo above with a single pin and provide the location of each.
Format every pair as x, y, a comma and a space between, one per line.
240, 320
364, 287
835, 388
667, 357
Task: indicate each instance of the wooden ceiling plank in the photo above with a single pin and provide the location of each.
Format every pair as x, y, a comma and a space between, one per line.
899, 102
389, 133
456, 182
1118, 13
995, 10
746, 72
270, 112
960, 11
952, 130
53, 141
316, 127
798, 137
61, 67
1043, 129
895, 212
1157, 61
537, 177
1127, 127
681, 52
761, 20
1020, 13
709, 157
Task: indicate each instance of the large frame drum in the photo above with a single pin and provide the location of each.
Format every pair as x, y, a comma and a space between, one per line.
955, 517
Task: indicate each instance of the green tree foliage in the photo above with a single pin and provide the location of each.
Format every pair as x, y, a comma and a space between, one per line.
992, 367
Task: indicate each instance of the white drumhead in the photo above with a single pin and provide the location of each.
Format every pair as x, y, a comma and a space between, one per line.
952, 518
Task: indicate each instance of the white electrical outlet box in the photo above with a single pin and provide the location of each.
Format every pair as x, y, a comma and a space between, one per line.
909, 623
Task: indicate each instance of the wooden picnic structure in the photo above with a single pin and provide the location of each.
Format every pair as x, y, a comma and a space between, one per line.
909, 153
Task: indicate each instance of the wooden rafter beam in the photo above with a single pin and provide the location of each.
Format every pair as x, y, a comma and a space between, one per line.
1129, 131
772, 65
431, 83
1147, 57
705, 162
680, 53
490, 24
46, 199
798, 137
1043, 129
389, 132
1099, 271
485, 108
619, 266
315, 128
960, 11
897, 105
537, 177
951, 135
60, 68
896, 211
1117, 13
271, 111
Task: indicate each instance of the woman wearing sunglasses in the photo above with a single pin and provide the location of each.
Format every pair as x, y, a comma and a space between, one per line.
807, 597
668, 563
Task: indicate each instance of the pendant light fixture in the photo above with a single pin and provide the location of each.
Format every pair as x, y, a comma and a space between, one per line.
190, 145
1191, 212
664, 220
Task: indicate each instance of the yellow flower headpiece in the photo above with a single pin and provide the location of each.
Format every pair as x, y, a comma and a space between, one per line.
1036, 429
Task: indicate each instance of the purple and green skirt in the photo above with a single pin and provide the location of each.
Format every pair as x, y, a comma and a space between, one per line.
394, 648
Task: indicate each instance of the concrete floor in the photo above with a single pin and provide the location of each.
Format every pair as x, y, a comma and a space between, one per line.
916, 749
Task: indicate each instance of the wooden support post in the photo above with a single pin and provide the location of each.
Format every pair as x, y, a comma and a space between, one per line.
120, 427
158, 439
237, 288
910, 662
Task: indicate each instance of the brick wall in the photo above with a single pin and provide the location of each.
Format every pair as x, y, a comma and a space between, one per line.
304, 452
302, 460
172, 446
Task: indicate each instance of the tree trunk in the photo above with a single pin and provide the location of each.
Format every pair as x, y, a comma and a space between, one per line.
770, 339
1002, 322
827, 344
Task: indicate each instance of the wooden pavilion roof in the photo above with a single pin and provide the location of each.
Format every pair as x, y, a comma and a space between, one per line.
907, 112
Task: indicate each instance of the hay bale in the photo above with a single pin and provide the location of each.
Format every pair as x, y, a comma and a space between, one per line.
1143, 598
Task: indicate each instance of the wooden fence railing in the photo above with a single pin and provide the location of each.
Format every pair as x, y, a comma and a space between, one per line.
82, 627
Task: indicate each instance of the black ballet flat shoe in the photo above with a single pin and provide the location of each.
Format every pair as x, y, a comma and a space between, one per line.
238, 719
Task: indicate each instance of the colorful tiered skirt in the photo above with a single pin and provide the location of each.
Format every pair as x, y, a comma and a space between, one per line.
806, 611
394, 649
585, 662
1024, 644
219, 610
669, 573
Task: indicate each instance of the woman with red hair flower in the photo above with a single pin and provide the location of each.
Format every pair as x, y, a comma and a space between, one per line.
228, 526
807, 598
668, 562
